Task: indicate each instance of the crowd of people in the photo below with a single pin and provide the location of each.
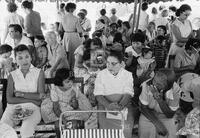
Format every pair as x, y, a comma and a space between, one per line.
150, 74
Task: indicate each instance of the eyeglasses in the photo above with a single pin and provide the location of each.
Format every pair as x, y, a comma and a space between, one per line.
112, 63
186, 14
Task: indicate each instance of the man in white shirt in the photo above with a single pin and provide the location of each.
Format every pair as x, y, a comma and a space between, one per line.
16, 37
113, 18
144, 17
113, 91
85, 23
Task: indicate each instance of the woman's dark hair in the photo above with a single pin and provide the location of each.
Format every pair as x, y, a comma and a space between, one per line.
164, 28
192, 42
119, 22
172, 8
118, 38
39, 37
117, 54
138, 37
61, 75
144, 6
21, 48
87, 46
102, 12
154, 10
126, 23
70, 6
27, 4
182, 9
146, 50
12, 7
5, 48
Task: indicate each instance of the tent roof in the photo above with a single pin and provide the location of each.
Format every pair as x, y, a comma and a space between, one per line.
125, 1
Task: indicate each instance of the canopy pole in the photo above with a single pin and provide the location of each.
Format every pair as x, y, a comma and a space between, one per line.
57, 5
138, 17
134, 14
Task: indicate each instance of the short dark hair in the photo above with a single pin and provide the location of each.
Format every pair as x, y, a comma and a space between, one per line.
138, 37
127, 24
182, 9
16, 27
154, 10
144, 6
62, 5
61, 75
39, 37
146, 50
117, 54
84, 10
102, 12
21, 48
163, 27
69, 6
5, 48
12, 7
27, 4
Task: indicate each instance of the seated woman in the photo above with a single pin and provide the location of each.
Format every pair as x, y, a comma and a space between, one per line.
113, 91
67, 97
186, 60
158, 102
24, 90
57, 57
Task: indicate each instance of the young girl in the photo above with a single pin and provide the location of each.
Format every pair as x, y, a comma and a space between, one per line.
66, 97
146, 62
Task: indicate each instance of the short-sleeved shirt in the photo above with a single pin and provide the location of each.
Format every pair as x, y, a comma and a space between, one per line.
183, 59
14, 18
146, 98
108, 84
24, 40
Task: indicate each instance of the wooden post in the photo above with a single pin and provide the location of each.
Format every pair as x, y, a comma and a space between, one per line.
57, 5
134, 14
138, 16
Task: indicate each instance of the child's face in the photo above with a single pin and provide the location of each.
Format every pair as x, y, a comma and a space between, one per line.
38, 42
137, 45
23, 59
148, 55
6, 55
159, 83
67, 84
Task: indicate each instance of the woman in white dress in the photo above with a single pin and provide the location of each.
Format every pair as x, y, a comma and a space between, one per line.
181, 30
72, 29
25, 90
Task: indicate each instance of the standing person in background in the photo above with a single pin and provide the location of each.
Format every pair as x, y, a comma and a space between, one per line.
71, 25
12, 18
113, 18
181, 32
162, 20
16, 36
104, 17
144, 17
61, 12
32, 22
154, 15
85, 23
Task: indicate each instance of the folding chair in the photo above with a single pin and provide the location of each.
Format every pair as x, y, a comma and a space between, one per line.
91, 133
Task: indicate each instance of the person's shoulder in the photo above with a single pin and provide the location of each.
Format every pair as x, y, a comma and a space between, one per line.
128, 49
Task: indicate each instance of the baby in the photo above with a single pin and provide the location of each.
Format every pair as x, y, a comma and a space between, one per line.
146, 62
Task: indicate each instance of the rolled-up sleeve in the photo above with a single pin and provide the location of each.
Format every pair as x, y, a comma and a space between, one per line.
99, 88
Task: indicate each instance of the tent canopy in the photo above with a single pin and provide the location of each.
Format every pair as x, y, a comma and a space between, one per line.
125, 1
